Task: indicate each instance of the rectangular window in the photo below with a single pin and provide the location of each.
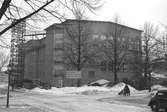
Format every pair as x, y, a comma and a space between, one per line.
124, 67
58, 46
58, 36
110, 66
95, 36
91, 74
103, 66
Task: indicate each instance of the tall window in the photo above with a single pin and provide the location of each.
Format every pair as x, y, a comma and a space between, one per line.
91, 74
123, 67
103, 66
110, 66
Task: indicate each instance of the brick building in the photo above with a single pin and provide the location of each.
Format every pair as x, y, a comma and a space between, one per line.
46, 59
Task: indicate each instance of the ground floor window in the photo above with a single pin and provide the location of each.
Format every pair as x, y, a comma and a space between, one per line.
91, 74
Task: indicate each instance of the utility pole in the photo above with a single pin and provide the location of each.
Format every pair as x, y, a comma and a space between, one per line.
9, 73
149, 72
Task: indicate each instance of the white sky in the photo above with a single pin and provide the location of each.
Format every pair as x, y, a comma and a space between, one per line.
134, 12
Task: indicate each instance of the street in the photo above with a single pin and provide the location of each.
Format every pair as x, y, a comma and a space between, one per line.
104, 102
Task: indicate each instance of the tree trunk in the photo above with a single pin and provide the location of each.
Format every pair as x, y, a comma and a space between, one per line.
115, 55
79, 52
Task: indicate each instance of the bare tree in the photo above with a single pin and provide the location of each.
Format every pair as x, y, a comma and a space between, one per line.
80, 50
115, 47
39, 10
3, 60
79, 47
161, 48
149, 49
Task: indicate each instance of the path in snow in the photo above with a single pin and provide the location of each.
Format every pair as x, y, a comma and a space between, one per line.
76, 103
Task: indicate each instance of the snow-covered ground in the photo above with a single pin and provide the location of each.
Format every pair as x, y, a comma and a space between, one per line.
72, 90
84, 90
158, 75
158, 87
81, 99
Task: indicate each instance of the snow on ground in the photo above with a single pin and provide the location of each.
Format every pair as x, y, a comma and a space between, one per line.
73, 90
83, 103
158, 87
157, 75
118, 87
84, 90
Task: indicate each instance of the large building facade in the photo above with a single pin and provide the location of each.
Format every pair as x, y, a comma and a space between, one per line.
78, 45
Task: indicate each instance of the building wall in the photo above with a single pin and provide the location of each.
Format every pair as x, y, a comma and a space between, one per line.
88, 77
101, 29
58, 54
3, 78
48, 63
41, 67
30, 71
35, 60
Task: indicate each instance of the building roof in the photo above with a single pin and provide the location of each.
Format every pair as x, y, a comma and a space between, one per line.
59, 25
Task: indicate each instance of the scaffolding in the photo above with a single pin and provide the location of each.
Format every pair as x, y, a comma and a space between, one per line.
17, 51
17, 54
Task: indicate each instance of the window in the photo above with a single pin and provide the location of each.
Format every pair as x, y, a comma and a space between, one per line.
110, 66
91, 74
103, 37
58, 36
58, 46
95, 36
111, 38
124, 67
103, 66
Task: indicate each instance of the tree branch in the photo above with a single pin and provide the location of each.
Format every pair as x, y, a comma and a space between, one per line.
24, 18
4, 7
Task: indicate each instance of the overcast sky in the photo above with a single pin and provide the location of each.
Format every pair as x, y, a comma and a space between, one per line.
134, 12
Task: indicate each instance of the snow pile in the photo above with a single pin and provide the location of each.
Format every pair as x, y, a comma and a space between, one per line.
157, 76
101, 82
118, 87
86, 90
73, 90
